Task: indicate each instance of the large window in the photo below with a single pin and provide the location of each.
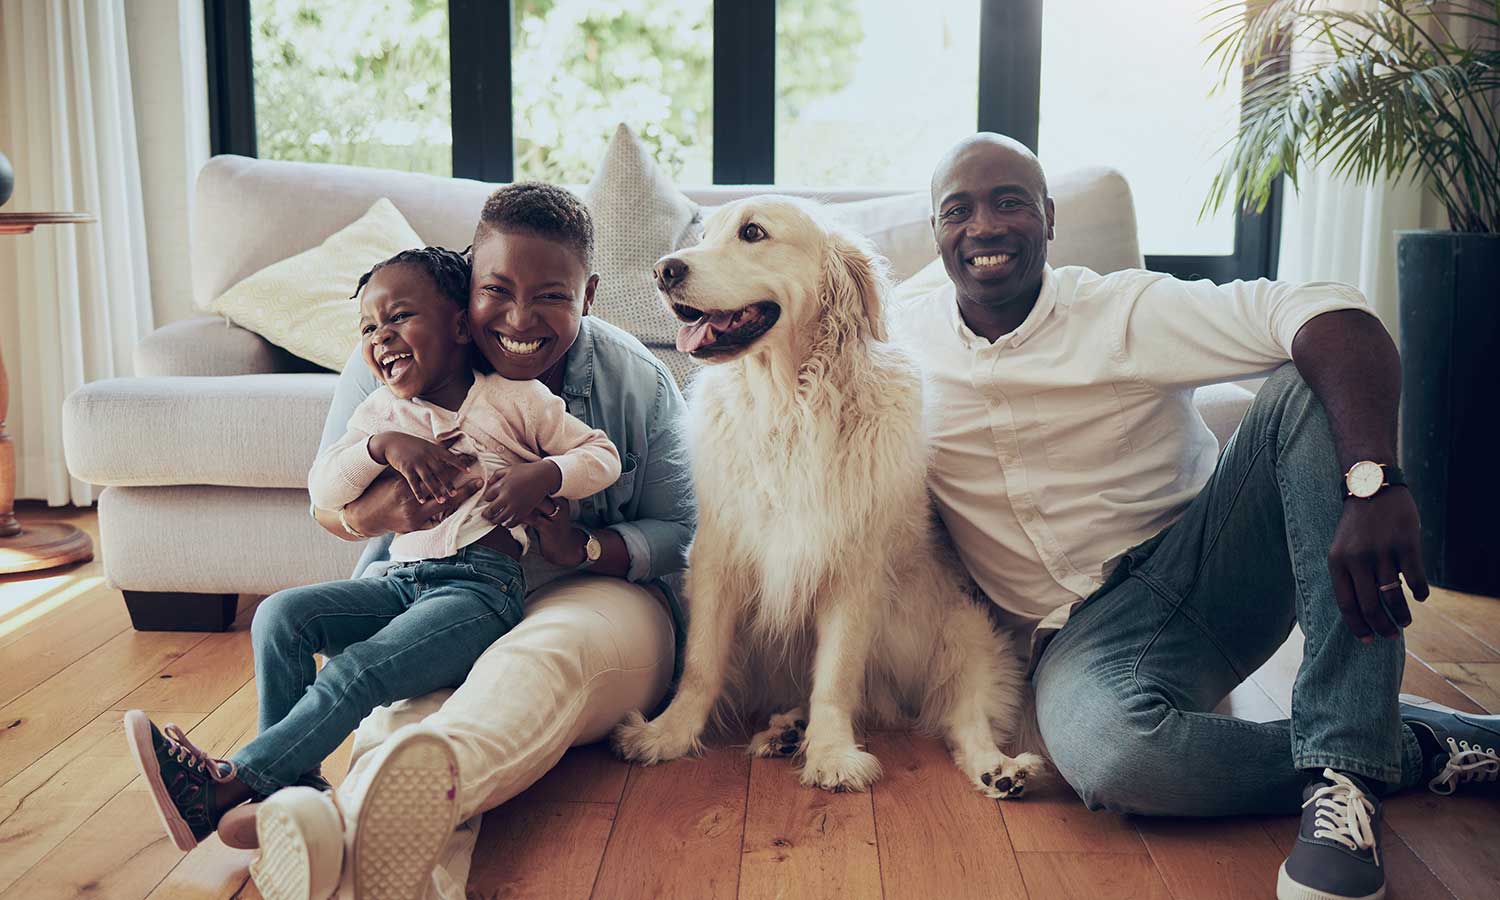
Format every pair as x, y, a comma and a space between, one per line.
359, 82
803, 93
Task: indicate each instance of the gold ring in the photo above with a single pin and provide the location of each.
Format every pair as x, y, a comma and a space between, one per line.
555, 508
1393, 586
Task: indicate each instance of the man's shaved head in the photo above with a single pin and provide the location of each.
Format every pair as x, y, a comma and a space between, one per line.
988, 143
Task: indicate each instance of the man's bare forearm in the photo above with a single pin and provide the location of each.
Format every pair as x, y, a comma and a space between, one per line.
1351, 364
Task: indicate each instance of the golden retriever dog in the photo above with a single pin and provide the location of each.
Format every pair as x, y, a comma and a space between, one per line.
817, 578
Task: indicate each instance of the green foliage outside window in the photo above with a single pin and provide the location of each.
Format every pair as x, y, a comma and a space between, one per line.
366, 82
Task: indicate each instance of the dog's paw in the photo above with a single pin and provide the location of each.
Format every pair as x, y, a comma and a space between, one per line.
1007, 779
840, 768
783, 735
650, 742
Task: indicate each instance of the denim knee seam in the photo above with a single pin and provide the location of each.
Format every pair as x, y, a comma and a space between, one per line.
355, 677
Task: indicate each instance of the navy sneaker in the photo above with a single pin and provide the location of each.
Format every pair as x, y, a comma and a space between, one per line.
1337, 854
1457, 747
182, 778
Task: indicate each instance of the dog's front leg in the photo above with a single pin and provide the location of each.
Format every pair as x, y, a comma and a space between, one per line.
706, 661
845, 630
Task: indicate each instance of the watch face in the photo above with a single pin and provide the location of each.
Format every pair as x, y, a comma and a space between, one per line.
1364, 479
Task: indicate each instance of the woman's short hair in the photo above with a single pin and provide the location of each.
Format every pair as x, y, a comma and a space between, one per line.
544, 210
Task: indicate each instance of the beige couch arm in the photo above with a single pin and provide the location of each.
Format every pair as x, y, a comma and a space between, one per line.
212, 345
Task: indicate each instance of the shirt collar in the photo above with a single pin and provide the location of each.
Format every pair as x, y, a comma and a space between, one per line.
578, 369
1046, 301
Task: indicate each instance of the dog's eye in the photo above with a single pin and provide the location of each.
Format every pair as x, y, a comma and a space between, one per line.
751, 232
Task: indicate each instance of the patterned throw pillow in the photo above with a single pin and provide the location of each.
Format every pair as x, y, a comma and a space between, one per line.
302, 303
639, 217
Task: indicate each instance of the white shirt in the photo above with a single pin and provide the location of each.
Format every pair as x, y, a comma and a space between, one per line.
1073, 438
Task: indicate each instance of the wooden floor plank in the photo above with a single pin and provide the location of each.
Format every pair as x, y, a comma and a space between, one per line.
679, 830
1424, 681
1091, 876
589, 774
938, 837
46, 715
1209, 859
806, 843
76, 627
1279, 673
1454, 836
1249, 701
201, 679
536, 847
1051, 819
1433, 638
1479, 616
1481, 681
108, 856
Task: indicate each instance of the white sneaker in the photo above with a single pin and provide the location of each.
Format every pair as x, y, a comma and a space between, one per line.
301, 835
408, 813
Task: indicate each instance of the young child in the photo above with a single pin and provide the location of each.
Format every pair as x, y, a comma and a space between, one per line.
450, 590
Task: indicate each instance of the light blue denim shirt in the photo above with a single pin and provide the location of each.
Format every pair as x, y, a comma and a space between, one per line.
613, 383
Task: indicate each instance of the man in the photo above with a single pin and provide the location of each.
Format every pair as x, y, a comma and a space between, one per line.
1081, 488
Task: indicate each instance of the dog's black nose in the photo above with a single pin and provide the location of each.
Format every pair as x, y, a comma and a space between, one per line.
669, 273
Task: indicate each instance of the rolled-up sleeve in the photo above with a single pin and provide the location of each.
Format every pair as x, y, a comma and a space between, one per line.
1192, 333
658, 537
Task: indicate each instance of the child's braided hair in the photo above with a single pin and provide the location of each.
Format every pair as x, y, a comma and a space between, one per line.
448, 269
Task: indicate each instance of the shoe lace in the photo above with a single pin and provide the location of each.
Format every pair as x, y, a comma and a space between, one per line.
1466, 762
187, 753
1343, 814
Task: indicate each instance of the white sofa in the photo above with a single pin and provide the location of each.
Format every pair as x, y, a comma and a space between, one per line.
204, 453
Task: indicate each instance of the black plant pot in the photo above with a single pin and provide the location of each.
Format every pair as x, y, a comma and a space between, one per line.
1450, 405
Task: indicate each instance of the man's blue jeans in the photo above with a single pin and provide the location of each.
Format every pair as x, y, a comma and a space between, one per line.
1125, 690
416, 628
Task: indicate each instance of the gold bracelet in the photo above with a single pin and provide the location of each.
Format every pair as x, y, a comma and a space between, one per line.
344, 524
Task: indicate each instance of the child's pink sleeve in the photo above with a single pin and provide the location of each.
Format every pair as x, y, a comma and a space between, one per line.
342, 472
588, 461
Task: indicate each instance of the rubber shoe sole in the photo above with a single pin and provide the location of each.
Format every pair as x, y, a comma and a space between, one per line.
409, 811
1289, 889
301, 839
138, 733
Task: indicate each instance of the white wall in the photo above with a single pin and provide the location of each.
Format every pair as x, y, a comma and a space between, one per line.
170, 76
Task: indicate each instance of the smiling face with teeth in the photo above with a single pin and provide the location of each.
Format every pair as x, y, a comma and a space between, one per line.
528, 297
413, 337
992, 220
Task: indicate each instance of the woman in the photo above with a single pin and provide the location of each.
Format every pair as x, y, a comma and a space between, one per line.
597, 640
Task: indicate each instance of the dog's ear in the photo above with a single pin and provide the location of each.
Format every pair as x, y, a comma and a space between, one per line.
855, 282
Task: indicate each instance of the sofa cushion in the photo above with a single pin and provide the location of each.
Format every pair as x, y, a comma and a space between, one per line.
639, 217
303, 303
212, 345
245, 430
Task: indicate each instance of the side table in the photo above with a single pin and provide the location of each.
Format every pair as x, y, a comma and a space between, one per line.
42, 545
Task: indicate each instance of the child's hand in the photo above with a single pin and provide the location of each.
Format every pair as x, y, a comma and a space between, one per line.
434, 472
513, 492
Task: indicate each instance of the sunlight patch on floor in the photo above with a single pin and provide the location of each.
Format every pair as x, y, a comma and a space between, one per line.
26, 601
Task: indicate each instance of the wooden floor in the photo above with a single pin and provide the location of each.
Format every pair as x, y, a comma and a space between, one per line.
76, 821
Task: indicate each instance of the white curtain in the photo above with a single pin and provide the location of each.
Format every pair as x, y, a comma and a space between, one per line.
74, 299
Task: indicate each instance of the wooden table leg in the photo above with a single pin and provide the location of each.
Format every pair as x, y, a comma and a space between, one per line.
41, 546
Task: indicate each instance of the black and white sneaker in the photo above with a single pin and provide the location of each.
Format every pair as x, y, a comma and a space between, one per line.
1337, 854
1457, 747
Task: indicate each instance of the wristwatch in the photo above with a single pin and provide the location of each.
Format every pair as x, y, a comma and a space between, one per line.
1365, 478
592, 550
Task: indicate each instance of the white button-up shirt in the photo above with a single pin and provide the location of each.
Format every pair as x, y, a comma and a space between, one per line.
1063, 444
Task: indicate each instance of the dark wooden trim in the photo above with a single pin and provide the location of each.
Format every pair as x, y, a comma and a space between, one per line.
744, 110
479, 62
178, 611
231, 77
1010, 68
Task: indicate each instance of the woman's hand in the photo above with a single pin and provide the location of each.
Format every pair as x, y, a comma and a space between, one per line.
559, 542
516, 491
389, 505
433, 471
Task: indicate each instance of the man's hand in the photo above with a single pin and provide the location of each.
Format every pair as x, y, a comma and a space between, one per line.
433, 471
388, 505
559, 542
515, 491
1376, 542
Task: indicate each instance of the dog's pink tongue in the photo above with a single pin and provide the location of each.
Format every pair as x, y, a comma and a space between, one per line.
697, 334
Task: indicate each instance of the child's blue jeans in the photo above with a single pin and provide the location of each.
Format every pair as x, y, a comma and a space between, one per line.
416, 628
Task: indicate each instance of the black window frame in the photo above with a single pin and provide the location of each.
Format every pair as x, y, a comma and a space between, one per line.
744, 72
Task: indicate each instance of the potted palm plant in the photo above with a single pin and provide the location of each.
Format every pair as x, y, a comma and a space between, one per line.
1398, 89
